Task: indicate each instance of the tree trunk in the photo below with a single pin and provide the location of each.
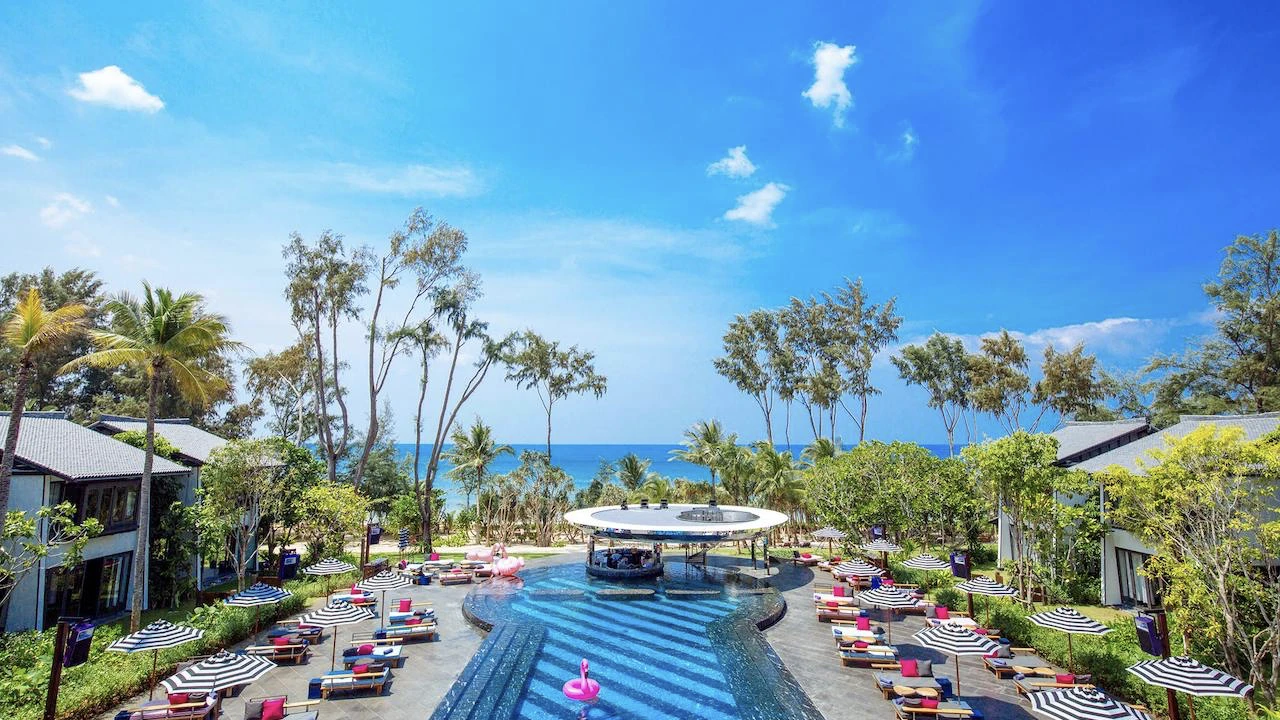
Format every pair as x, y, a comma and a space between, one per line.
144, 503
11, 435
548, 433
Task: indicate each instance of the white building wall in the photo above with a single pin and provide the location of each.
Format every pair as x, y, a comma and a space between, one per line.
1123, 540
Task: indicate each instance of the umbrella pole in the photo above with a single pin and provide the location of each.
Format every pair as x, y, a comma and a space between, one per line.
1071, 656
1191, 705
970, 604
151, 679
333, 660
382, 611
957, 677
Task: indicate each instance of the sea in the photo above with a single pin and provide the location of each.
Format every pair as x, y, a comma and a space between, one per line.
581, 462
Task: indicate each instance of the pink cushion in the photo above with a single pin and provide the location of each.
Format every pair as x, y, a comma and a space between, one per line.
929, 703
435, 556
280, 641
356, 591
833, 604
405, 605
179, 698
910, 669
361, 668
943, 613
413, 621
273, 709
1065, 679
859, 645
806, 556
838, 591
864, 623
836, 559
887, 581
992, 654
364, 649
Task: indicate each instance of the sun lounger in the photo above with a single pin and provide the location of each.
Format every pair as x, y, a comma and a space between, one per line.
302, 710
885, 682
948, 709
423, 631
1004, 667
310, 633
399, 618
203, 709
847, 633
453, 577
1028, 685
291, 653
362, 600
345, 681
871, 656
827, 613
391, 655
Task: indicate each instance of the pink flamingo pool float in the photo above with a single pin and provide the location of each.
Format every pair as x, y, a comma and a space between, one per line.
581, 688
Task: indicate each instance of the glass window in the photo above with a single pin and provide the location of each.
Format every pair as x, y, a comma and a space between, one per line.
1135, 588
62, 593
115, 583
114, 505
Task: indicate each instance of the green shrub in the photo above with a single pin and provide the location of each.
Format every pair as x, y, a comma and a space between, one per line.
950, 597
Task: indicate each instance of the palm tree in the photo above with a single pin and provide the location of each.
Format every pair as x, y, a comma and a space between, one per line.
737, 473
704, 445
656, 488
778, 482
820, 449
632, 470
474, 451
31, 330
167, 338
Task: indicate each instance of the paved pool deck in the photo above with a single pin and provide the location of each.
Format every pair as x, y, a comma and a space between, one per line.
803, 644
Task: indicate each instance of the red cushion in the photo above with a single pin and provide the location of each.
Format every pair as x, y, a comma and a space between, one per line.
910, 669
413, 621
273, 709
280, 641
887, 581
406, 605
992, 654
806, 556
435, 556
928, 703
179, 698
1065, 679
365, 649
836, 559
943, 613
838, 591
864, 623
362, 667
859, 645
355, 590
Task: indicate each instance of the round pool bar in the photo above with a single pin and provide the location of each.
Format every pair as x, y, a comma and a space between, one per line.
663, 523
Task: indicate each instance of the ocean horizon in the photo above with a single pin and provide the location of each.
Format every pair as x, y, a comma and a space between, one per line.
581, 460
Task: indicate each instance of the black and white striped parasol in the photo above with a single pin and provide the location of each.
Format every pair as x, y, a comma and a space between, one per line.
957, 641
219, 672
1082, 704
155, 637
337, 612
925, 561
889, 598
1071, 622
258, 594
329, 566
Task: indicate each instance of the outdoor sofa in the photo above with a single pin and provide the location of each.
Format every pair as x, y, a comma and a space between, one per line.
347, 681
287, 652
253, 708
198, 706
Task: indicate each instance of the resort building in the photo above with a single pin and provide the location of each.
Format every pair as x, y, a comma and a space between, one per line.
1122, 553
58, 460
194, 447
1079, 441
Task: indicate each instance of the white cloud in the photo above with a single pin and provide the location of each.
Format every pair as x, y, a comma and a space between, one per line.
828, 89
909, 142
112, 200
44, 142
110, 86
734, 164
411, 179
19, 152
64, 208
757, 207
82, 247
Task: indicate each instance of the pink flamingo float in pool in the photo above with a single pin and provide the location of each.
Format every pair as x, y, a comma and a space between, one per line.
582, 688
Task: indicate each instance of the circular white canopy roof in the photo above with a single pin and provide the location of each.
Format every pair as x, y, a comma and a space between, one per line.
676, 523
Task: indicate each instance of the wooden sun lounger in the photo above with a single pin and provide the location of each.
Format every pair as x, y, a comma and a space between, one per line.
947, 709
896, 679
877, 660
294, 653
353, 682
455, 578
1028, 685
185, 711
1003, 667
391, 655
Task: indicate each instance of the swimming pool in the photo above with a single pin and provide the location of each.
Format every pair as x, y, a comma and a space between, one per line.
690, 649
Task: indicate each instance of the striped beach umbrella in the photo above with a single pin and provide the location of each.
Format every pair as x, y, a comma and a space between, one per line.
882, 546
332, 615
925, 561
857, 567
155, 637
1192, 677
1082, 704
1071, 622
889, 598
985, 586
956, 641
403, 541
829, 534
327, 567
384, 581
219, 672
256, 595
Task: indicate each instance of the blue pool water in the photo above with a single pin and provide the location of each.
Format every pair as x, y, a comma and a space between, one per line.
657, 657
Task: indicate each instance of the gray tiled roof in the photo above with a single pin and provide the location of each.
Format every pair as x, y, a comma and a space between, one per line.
1126, 456
1077, 436
191, 441
47, 440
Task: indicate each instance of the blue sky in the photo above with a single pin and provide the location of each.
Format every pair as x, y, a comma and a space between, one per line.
1068, 173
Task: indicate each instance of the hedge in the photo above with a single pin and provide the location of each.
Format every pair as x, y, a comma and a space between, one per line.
110, 678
